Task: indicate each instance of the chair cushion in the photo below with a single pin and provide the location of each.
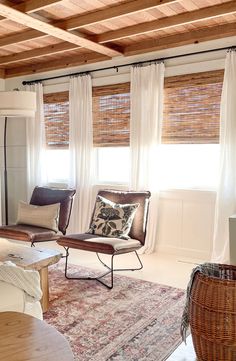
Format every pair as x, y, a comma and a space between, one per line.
117, 243
93, 243
42, 196
112, 219
40, 216
22, 232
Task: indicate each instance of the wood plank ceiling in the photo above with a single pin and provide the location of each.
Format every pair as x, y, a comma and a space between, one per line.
43, 35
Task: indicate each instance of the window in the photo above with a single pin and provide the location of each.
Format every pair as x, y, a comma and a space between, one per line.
190, 139
190, 133
192, 108
111, 116
56, 115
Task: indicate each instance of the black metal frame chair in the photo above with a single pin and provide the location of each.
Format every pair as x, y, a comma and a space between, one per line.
111, 246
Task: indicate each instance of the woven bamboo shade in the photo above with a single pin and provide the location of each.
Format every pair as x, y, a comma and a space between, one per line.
191, 112
56, 115
111, 115
192, 108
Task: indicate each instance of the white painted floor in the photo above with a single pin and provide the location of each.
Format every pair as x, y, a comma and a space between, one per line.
184, 352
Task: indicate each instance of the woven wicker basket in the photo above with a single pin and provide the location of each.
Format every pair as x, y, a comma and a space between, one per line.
212, 313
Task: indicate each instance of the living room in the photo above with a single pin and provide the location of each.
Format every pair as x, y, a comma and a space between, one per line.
187, 42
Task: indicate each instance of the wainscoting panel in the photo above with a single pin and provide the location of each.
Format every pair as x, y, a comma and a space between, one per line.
170, 223
186, 221
198, 219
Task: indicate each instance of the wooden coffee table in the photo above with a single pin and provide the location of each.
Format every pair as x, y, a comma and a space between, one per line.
23, 337
31, 258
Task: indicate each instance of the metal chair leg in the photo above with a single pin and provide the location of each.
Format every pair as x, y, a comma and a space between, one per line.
123, 269
98, 279
110, 270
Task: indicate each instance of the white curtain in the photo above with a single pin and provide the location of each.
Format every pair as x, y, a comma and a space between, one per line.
147, 83
81, 151
35, 141
226, 193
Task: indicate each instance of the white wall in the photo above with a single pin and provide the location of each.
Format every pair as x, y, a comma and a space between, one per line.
16, 164
185, 217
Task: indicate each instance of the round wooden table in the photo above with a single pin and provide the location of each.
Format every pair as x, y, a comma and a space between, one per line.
23, 337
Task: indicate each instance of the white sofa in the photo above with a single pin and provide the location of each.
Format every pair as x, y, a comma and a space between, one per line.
13, 296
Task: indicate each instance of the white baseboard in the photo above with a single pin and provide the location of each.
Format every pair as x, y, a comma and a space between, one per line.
182, 253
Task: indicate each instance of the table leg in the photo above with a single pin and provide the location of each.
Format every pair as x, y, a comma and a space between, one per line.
45, 288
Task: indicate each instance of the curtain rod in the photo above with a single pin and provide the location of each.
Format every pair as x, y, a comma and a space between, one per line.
116, 67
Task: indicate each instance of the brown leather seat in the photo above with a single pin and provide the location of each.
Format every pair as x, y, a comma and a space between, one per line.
113, 246
42, 196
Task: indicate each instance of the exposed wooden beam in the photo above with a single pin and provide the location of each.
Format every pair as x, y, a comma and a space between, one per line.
30, 6
2, 73
64, 63
37, 53
20, 37
87, 19
35, 5
190, 37
112, 12
49, 29
168, 22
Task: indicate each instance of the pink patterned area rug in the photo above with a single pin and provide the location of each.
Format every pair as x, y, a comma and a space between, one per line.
135, 321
